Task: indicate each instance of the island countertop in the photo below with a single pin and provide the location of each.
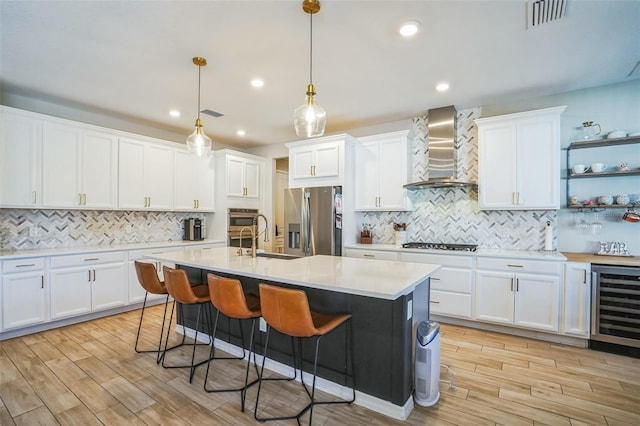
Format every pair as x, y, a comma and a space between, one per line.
382, 279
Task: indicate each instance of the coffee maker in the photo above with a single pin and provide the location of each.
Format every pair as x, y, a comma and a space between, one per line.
193, 230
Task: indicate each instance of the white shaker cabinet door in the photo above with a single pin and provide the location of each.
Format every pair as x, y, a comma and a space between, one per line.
235, 177
70, 292
539, 164
367, 176
19, 161
23, 299
252, 179
497, 168
494, 296
185, 191
327, 160
60, 159
393, 159
99, 170
536, 301
109, 286
131, 175
577, 299
158, 176
206, 185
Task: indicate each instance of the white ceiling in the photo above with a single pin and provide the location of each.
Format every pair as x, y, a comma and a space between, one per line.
133, 58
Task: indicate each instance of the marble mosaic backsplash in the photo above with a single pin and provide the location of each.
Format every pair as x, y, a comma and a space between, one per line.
68, 228
451, 215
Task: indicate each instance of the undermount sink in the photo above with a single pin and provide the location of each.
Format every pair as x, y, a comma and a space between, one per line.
278, 256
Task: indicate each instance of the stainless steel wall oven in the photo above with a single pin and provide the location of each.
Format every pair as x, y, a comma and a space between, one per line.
238, 219
615, 316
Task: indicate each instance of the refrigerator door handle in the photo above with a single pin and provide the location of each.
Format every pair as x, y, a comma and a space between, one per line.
305, 232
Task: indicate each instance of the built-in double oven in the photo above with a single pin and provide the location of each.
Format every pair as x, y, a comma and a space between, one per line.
237, 220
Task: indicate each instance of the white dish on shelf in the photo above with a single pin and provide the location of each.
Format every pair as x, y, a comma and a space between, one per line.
616, 134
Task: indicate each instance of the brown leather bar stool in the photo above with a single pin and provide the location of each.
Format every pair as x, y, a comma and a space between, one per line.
287, 311
148, 279
229, 299
180, 289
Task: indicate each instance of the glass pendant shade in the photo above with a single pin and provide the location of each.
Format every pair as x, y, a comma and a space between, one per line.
198, 142
309, 119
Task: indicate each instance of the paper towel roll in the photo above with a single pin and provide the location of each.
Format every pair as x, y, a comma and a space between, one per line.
548, 237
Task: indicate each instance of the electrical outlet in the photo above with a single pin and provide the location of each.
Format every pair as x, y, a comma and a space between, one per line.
263, 325
33, 231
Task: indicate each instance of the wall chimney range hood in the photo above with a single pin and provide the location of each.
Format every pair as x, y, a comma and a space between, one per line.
441, 166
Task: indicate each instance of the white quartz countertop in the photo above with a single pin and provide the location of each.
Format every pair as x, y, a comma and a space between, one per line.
21, 254
381, 279
514, 254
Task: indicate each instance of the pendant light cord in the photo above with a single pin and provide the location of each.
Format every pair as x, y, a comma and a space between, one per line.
311, 48
199, 67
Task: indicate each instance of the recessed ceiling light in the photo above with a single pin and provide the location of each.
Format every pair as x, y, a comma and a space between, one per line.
409, 28
442, 87
241, 132
174, 113
257, 83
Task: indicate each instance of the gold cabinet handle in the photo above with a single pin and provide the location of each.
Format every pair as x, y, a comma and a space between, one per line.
34, 196
369, 255
517, 284
25, 265
511, 284
515, 266
94, 275
79, 199
434, 302
435, 279
41, 281
90, 259
89, 271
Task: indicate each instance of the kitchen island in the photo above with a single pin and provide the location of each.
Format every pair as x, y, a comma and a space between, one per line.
387, 300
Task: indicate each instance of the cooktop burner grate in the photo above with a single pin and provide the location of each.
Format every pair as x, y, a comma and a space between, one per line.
441, 246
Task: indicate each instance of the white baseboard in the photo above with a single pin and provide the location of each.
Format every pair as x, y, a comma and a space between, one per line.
399, 412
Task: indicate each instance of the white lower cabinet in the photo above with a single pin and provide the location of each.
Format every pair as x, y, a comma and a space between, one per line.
24, 293
85, 283
577, 299
523, 293
451, 285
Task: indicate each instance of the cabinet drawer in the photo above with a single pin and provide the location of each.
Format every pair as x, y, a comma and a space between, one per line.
139, 254
87, 259
455, 304
23, 265
453, 280
439, 259
519, 265
372, 254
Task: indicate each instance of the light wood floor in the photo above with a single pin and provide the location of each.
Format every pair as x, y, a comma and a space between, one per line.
89, 374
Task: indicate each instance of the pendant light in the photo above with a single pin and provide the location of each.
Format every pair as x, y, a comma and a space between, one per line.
198, 142
309, 119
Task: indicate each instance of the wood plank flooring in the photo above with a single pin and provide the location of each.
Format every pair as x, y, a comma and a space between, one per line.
89, 374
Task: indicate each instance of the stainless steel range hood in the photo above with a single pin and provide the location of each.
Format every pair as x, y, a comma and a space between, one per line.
441, 168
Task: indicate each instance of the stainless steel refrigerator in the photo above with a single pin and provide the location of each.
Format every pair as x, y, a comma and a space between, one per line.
313, 221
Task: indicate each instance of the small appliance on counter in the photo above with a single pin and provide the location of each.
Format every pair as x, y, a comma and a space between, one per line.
193, 230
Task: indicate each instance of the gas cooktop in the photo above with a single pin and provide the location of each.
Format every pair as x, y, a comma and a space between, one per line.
441, 246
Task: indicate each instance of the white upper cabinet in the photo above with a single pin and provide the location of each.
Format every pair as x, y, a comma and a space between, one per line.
519, 161
145, 178
20, 151
193, 188
381, 169
79, 167
242, 174
318, 162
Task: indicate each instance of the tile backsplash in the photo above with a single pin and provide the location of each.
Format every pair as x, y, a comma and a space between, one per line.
68, 228
451, 215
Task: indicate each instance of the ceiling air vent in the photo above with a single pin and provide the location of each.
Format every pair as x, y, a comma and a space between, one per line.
543, 11
212, 113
